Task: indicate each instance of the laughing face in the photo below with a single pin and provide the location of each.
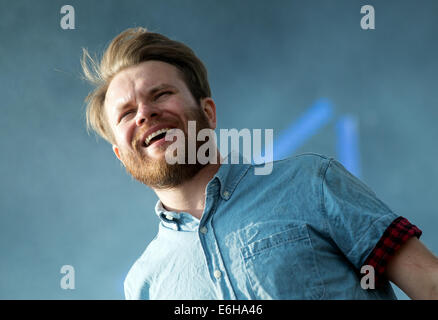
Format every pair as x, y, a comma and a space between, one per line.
143, 102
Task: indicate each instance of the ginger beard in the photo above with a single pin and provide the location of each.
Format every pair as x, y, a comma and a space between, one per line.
157, 173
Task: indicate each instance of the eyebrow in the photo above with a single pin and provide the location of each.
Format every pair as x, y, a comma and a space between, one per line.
123, 104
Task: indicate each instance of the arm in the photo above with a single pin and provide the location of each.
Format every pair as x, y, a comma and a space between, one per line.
414, 269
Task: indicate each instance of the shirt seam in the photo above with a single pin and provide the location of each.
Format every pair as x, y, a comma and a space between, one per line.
365, 234
233, 185
322, 201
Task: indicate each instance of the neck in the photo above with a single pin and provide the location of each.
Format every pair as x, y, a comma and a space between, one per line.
189, 196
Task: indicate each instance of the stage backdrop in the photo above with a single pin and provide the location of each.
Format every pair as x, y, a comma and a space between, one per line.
306, 69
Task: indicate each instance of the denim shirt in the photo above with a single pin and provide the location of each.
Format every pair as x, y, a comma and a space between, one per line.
302, 232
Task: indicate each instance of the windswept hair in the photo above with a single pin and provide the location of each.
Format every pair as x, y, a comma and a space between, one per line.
129, 48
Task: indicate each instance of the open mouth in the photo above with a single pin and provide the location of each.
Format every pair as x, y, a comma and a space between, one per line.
155, 137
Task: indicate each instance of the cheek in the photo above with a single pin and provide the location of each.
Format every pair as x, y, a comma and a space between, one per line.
177, 111
124, 135
176, 106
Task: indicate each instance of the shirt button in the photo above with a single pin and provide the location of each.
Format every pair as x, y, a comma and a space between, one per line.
217, 274
203, 230
169, 217
226, 194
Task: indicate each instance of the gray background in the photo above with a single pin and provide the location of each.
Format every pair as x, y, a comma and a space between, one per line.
65, 199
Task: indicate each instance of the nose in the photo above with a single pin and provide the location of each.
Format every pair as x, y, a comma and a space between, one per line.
145, 113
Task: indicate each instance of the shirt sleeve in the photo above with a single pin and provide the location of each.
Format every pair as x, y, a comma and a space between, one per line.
354, 217
135, 285
128, 292
399, 231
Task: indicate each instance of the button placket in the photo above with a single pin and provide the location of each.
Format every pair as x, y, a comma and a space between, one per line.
203, 230
217, 274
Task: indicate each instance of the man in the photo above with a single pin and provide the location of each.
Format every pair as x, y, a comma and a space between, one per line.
302, 232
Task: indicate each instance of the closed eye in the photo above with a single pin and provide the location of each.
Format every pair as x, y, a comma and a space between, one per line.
126, 113
162, 94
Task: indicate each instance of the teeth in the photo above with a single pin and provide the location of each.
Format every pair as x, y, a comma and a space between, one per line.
154, 134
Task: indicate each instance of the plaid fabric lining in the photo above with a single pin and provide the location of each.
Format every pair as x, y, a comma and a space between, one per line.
399, 231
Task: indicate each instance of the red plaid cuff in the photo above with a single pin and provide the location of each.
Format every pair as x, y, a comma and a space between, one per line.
394, 236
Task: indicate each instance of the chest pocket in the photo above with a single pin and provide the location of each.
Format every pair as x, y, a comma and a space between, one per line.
283, 266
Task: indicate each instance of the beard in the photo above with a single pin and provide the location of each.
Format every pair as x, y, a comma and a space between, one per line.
157, 173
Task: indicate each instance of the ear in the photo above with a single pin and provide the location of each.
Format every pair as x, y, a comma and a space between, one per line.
117, 153
209, 108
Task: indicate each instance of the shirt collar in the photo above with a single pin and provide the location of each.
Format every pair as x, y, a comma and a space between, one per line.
229, 176
174, 220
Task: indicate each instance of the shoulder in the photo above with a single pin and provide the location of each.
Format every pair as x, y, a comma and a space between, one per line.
308, 164
139, 274
304, 173
307, 159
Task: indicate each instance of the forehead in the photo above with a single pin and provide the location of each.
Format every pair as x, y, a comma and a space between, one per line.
142, 76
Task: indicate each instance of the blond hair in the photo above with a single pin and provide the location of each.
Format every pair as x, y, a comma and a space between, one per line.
130, 48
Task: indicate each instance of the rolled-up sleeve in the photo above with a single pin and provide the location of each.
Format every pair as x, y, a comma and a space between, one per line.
355, 218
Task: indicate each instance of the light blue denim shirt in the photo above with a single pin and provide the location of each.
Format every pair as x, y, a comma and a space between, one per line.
301, 232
